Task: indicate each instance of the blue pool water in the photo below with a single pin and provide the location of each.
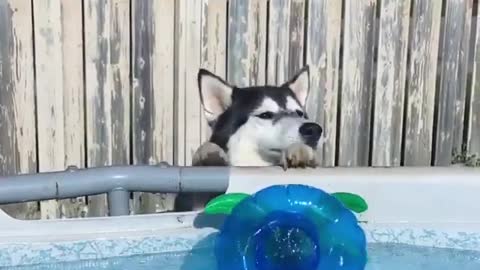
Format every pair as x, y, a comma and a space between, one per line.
381, 257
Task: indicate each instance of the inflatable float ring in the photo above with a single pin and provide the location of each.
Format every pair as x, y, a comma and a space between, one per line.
290, 227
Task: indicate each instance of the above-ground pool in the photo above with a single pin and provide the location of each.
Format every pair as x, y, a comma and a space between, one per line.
390, 247
417, 219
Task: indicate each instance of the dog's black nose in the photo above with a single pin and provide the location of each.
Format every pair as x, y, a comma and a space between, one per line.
311, 133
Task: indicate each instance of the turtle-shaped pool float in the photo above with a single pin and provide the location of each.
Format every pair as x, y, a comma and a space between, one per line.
286, 227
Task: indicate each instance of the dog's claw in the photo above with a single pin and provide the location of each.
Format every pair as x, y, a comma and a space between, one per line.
298, 156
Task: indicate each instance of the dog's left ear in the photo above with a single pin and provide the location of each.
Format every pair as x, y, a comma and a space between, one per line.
215, 94
300, 85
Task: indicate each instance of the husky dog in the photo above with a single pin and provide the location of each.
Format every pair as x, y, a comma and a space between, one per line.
257, 125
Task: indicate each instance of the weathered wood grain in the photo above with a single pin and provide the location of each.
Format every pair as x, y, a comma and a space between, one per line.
189, 115
463, 70
153, 93
17, 102
49, 87
422, 76
213, 45
59, 87
285, 40
323, 58
390, 82
278, 41
247, 31
297, 36
41, 70
451, 93
74, 92
356, 92
107, 54
473, 138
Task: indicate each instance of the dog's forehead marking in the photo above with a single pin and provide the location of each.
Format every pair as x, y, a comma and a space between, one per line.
292, 104
268, 104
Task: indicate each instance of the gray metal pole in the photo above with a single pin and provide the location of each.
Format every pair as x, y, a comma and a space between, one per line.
84, 182
118, 202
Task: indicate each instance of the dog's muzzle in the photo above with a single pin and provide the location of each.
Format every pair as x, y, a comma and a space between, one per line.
311, 133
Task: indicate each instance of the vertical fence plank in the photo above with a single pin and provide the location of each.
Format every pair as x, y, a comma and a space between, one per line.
213, 45
59, 87
107, 39
451, 93
474, 112
74, 103
285, 39
463, 69
390, 82
422, 76
278, 41
323, 57
153, 73
17, 105
247, 30
188, 63
49, 87
297, 34
356, 92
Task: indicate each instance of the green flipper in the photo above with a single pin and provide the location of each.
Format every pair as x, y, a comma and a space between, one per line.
224, 203
352, 201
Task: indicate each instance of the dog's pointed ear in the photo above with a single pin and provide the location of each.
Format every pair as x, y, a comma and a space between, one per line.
300, 85
215, 94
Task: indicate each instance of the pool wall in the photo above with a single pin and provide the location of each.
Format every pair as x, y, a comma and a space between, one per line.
422, 206
394, 195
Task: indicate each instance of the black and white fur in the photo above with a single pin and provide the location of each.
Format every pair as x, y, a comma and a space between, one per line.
260, 125
257, 125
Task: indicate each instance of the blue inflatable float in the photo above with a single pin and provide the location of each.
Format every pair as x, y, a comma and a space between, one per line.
291, 227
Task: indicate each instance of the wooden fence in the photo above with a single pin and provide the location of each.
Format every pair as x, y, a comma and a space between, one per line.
100, 82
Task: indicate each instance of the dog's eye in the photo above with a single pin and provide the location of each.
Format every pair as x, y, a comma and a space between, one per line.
266, 115
300, 113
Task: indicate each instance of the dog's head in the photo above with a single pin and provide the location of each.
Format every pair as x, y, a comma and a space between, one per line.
255, 124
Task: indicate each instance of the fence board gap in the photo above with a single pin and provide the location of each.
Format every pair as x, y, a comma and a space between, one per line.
451, 94
153, 74
107, 54
285, 40
473, 138
424, 44
213, 45
323, 57
187, 64
357, 77
59, 87
247, 33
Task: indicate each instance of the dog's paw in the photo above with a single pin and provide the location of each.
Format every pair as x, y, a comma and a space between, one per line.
210, 154
298, 155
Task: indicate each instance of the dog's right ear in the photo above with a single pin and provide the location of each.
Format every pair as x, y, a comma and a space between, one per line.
215, 94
